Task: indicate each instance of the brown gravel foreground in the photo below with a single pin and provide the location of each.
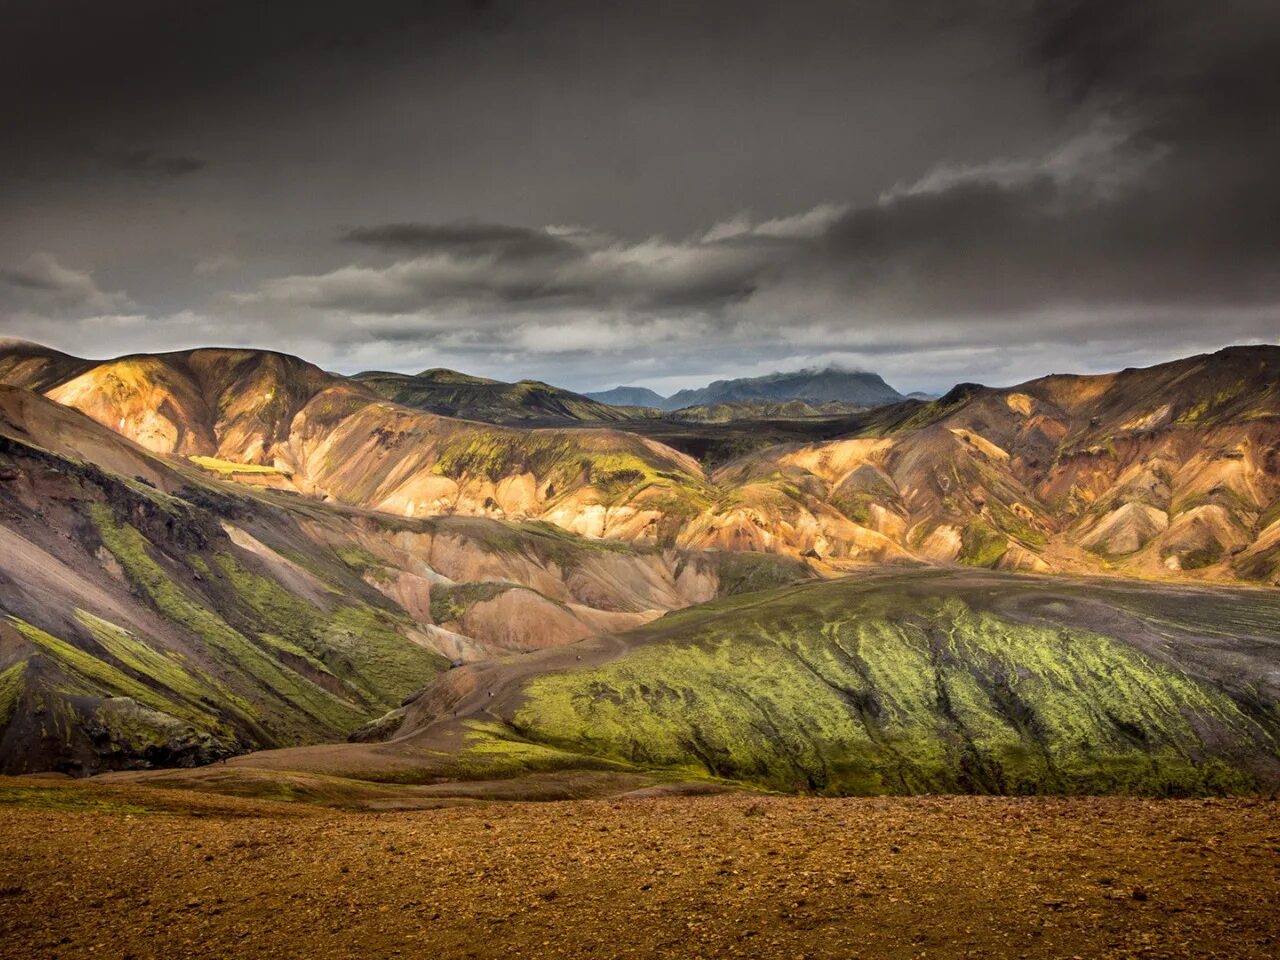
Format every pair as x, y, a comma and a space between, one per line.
723, 876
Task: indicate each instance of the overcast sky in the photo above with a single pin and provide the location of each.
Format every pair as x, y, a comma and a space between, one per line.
651, 193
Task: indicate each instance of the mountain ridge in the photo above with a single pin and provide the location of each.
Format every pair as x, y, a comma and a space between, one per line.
153, 613
814, 385
1163, 471
453, 394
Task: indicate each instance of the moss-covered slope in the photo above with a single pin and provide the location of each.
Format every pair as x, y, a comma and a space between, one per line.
928, 684
134, 630
454, 394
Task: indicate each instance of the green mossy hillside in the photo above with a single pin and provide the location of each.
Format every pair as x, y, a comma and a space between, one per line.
450, 603
751, 572
843, 689
290, 670
565, 461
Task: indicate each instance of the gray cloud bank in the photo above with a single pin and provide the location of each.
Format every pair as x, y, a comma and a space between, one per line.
1148, 226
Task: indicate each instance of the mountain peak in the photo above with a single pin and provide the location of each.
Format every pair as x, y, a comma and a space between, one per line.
860, 387
831, 383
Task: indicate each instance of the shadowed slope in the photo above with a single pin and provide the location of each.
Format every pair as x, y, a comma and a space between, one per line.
453, 394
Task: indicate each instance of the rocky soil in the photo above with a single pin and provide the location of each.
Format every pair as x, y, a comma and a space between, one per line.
91, 871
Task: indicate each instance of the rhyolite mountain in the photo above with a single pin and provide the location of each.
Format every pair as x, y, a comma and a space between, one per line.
1168, 471
846, 386
155, 612
214, 551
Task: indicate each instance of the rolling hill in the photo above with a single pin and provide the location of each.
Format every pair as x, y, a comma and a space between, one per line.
329, 436
215, 551
1165, 471
937, 683
910, 682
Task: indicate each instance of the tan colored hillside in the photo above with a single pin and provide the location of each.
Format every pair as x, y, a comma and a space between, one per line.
1170, 471
335, 438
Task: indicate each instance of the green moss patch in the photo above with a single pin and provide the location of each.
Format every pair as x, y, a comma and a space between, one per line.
67, 798
450, 602
981, 545
492, 751
11, 684
749, 572
99, 675
225, 643
230, 467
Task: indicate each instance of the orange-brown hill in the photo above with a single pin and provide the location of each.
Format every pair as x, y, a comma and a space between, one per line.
1168, 471
333, 437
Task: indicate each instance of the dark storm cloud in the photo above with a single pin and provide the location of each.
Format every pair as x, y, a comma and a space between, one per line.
1167, 196
84, 56
150, 163
895, 181
43, 281
462, 240
483, 265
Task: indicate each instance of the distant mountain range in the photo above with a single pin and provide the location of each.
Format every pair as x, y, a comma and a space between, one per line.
860, 388
805, 393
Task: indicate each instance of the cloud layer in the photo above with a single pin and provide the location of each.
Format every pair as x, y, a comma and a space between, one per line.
1012, 187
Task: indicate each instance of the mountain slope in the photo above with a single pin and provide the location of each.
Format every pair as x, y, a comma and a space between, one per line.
453, 394
329, 436
920, 682
923, 684
153, 614
629, 397
36, 367
136, 628
1171, 471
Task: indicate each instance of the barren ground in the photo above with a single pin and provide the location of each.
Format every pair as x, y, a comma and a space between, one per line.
130, 871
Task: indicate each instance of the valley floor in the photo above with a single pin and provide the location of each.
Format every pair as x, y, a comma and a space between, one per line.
89, 870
